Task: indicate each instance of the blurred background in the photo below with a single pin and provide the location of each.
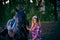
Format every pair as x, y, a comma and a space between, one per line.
48, 12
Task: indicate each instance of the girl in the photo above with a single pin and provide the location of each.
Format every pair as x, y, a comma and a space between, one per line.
35, 28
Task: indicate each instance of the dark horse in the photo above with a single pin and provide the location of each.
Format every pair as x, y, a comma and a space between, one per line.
23, 22
22, 33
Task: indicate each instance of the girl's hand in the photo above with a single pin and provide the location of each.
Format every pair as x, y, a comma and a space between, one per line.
40, 31
28, 28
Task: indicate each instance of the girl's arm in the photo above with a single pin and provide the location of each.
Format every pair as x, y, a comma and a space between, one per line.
34, 37
28, 28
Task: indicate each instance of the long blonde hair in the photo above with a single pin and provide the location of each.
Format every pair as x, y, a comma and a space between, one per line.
38, 22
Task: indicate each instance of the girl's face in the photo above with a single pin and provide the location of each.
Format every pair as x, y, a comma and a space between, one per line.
34, 20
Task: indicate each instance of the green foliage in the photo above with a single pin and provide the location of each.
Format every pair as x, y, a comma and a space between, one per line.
30, 10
